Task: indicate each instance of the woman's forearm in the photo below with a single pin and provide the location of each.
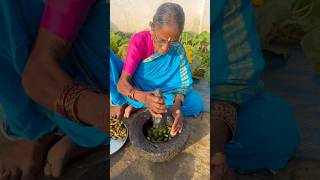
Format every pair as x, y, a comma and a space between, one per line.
124, 87
44, 78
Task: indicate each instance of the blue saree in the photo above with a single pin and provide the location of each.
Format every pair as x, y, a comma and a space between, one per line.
267, 135
170, 73
86, 62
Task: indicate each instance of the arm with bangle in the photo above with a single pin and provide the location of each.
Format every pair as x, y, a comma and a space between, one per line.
155, 105
45, 81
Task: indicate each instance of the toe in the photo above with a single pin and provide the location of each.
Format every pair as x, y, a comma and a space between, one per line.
15, 174
27, 176
5, 175
127, 111
56, 162
57, 169
47, 169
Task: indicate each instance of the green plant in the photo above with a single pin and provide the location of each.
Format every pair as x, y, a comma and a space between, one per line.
290, 23
119, 43
199, 45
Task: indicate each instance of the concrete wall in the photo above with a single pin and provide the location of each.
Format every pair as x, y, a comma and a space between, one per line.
135, 15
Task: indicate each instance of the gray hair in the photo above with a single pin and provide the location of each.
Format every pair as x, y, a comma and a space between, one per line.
168, 13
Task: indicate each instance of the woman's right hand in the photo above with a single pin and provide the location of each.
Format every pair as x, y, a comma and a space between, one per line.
154, 104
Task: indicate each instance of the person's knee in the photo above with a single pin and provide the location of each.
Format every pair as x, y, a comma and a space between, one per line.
292, 136
194, 102
197, 101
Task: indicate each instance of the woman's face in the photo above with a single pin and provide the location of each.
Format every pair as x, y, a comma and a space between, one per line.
165, 37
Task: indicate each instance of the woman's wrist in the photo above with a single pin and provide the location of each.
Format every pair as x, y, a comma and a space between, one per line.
178, 100
140, 96
92, 109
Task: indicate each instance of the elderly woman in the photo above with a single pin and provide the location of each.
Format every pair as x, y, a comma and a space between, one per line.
252, 130
52, 74
155, 59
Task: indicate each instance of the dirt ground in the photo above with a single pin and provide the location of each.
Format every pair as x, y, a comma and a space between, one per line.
295, 170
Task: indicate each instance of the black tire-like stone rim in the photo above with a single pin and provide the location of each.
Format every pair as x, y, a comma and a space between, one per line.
156, 152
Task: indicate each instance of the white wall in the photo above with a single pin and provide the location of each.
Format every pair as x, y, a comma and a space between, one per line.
135, 15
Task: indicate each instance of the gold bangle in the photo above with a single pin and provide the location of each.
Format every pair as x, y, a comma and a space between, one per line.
73, 95
61, 99
74, 104
67, 101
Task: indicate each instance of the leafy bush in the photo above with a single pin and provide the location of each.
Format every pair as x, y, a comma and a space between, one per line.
290, 23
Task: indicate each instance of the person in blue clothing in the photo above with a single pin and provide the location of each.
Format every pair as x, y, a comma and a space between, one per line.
155, 59
252, 130
53, 66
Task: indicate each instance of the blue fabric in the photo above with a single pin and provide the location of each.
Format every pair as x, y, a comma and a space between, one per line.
237, 55
116, 65
19, 21
267, 134
170, 73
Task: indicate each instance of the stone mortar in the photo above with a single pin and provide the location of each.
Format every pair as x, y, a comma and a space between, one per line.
155, 152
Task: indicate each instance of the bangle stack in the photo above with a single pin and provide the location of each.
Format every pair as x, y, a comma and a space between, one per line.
67, 101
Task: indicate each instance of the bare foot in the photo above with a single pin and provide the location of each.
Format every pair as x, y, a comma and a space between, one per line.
60, 154
25, 159
128, 111
116, 112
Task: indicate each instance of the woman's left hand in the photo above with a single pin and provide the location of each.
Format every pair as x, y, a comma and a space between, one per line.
178, 121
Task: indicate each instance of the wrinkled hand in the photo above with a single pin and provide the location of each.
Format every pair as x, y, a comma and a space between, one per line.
155, 105
178, 121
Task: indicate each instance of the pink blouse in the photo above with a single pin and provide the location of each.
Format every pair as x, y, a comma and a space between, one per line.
65, 17
140, 47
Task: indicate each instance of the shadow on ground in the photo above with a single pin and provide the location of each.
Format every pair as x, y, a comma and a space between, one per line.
296, 81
